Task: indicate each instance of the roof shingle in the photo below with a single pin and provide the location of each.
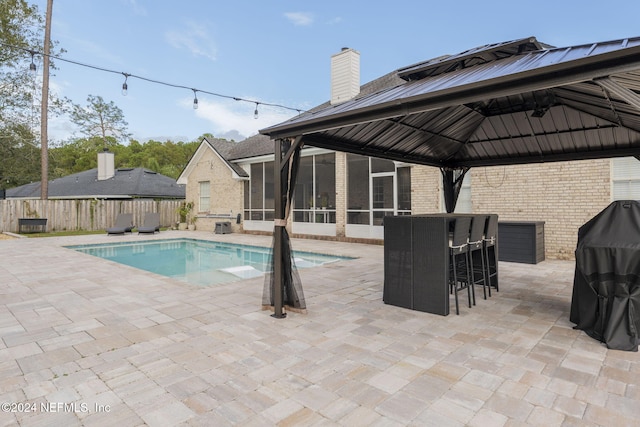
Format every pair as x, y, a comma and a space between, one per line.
126, 183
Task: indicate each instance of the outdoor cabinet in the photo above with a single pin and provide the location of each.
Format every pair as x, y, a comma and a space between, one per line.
223, 227
521, 241
416, 262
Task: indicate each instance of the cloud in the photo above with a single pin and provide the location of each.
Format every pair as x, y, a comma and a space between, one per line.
137, 8
195, 39
233, 118
301, 19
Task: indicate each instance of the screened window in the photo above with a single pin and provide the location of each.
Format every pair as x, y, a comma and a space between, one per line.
205, 196
269, 198
376, 188
357, 189
259, 203
303, 195
625, 176
315, 190
463, 205
381, 165
404, 191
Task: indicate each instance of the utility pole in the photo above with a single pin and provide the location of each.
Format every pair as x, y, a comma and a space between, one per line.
44, 145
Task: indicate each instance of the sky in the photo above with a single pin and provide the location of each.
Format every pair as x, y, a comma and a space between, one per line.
278, 51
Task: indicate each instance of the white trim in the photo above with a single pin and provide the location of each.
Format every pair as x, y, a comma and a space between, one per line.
257, 159
314, 229
311, 151
251, 225
364, 231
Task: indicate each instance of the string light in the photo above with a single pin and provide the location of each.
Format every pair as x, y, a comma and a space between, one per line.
32, 66
124, 85
127, 75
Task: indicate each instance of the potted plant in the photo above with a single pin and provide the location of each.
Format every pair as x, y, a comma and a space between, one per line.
192, 222
183, 212
324, 200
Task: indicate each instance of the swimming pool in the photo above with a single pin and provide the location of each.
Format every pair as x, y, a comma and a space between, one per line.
199, 262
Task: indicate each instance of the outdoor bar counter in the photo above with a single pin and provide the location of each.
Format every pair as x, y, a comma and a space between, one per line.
416, 261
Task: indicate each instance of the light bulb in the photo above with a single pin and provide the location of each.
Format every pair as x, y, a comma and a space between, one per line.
255, 113
124, 85
32, 66
195, 103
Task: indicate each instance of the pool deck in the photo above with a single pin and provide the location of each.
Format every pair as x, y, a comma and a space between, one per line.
105, 344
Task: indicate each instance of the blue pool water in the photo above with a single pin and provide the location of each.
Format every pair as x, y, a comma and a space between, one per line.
198, 262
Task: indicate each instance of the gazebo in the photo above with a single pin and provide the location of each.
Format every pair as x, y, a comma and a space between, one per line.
508, 103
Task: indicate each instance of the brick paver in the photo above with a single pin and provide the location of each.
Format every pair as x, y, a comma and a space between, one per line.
84, 341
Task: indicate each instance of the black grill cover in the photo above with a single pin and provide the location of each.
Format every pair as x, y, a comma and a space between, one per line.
606, 286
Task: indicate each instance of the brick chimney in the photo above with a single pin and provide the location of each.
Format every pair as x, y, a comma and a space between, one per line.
106, 164
345, 75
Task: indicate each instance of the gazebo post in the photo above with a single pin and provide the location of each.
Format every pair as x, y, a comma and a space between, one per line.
283, 286
279, 224
451, 184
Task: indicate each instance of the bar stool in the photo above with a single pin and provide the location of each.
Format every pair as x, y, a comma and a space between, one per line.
458, 260
491, 252
476, 255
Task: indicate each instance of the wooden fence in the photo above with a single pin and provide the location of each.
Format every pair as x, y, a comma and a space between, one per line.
90, 214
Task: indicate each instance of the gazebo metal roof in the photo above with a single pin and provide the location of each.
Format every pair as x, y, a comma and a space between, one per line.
508, 103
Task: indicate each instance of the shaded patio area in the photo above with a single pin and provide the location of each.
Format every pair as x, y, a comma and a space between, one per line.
89, 334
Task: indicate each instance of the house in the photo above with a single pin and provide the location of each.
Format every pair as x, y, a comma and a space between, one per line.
345, 195
105, 182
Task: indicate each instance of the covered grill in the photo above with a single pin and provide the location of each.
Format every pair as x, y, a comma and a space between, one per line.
606, 287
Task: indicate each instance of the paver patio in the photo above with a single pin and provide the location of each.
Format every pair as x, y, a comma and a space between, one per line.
85, 341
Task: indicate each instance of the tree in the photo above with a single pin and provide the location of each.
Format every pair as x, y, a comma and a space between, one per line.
18, 34
21, 41
168, 158
20, 31
20, 156
101, 119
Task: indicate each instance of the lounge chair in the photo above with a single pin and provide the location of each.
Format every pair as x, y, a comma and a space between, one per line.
124, 224
150, 224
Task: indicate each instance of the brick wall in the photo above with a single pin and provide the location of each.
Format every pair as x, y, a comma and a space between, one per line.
564, 195
226, 193
341, 193
426, 183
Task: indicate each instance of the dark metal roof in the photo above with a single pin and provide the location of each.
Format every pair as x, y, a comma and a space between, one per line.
126, 183
468, 58
508, 103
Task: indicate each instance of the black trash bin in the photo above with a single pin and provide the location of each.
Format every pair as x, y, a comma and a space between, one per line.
606, 286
